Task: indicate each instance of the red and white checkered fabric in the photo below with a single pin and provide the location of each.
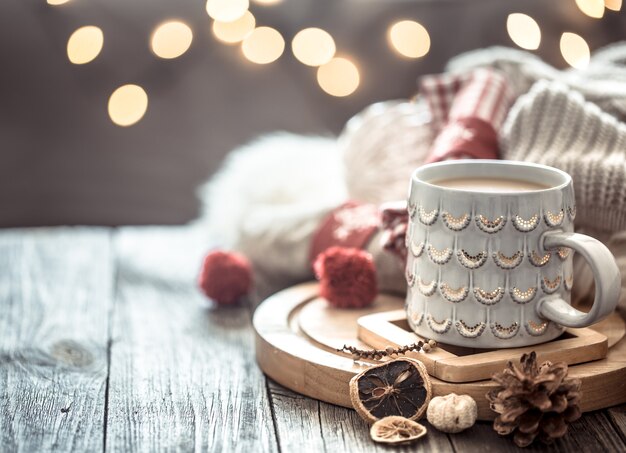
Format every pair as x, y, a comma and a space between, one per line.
467, 109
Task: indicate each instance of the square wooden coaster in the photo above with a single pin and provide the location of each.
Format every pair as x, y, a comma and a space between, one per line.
456, 364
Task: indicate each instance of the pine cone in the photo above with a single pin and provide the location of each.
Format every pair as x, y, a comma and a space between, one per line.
534, 401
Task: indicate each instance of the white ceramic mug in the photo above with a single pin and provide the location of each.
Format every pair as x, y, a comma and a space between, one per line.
494, 270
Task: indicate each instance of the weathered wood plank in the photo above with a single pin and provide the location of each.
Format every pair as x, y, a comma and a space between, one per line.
592, 432
302, 421
55, 294
183, 375
617, 415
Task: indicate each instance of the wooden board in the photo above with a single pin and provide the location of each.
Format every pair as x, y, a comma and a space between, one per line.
54, 320
306, 366
182, 374
455, 364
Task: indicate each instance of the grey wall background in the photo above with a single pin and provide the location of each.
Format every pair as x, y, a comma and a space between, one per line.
64, 162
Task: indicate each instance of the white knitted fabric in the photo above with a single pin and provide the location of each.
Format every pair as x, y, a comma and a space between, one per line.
270, 196
602, 82
381, 146
554, 125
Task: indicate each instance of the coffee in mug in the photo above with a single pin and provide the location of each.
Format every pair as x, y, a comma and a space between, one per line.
496, 185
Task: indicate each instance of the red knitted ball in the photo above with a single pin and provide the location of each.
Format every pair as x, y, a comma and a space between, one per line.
225, 276
347, 277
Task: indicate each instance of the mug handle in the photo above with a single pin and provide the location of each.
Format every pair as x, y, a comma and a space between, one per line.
605, 272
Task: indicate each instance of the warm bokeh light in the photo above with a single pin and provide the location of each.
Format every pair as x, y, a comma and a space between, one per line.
127, 105
237, 31
592, 8
85, 44
267, 2
313, 46
409, 38
57, 2
575, 50
171, 39
523, 31
338, 77
614, 5
226, 10
263, 45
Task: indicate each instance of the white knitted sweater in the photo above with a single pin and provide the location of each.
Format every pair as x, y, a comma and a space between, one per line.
554, 125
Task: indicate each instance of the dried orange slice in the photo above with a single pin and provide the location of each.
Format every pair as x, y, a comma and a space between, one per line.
396, 430
399, 387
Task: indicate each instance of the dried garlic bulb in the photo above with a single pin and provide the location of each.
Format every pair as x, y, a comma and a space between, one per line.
396, 430
452, 413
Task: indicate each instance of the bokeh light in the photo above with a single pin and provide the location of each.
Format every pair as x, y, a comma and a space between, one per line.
236, 31
263, 45
575, 50
85, 44
268, 2
592, 8
614, 5
226, 10
171, 39
313, 46
409, 38
339, 77
57, 2
523, 31
127, 105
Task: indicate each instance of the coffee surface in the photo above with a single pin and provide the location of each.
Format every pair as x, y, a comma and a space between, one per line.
499, 185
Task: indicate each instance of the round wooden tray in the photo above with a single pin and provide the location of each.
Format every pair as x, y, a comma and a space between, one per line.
299, 352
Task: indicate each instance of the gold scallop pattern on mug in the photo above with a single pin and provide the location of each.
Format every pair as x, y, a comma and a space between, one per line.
550, 286
523, 297
470, 331
504, 332
523, 225
554, 220
536, 328
416, 249
563, 252
453, 295
571, 212
417, 318
508, 262
490, 226
471, 261
455, 223
439, 256
427, 218
538, 260
410, 278
411, 209
489, 297
439, 327
427, 289
568, 283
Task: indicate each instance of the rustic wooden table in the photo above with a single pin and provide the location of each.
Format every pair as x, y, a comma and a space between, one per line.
105, 344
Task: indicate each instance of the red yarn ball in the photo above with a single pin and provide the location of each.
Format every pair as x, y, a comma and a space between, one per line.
225, 276
347, 277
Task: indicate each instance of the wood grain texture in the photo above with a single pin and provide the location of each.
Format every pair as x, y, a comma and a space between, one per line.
316, 369
55, 298
382, 329
182, 375
330, 428
591, 433
617, 415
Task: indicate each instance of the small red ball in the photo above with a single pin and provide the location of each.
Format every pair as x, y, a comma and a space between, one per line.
225, 276
347, 277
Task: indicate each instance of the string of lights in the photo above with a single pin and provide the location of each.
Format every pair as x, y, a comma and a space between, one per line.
337, 75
